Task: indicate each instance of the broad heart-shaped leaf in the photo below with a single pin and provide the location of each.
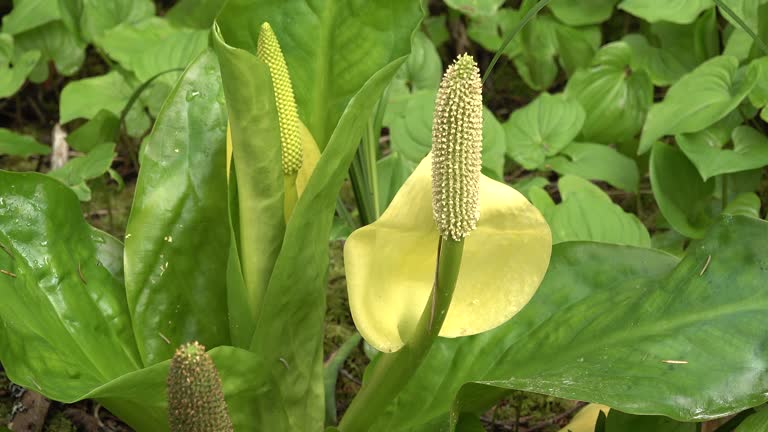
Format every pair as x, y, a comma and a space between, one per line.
177, 236
66, 326
489, 31
661, 65
698, 99
55, 43
682, 196
411, 133
319, 57
597, 162
542, 128
614, 97
332, 47
577, 13
587, 213
260, 186
194, 13
602, 326
750, 151
475, 8
12, 143
676, 11
536, 64
99, 16
691, 44
28, 14
15, 65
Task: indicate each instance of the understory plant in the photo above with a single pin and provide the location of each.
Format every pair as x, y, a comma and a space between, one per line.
457, 285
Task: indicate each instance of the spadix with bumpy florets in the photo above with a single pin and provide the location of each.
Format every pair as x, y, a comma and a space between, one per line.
195, 398
269, 52
457, 141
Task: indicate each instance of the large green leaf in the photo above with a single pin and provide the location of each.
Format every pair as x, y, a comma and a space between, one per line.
12, 143
28, 14
618, 421
86, 97
99, 16
195, 13
587, 213
757, 422
65, 317
536, 64
256, 153
332, 47
604, 326
682, 196
661, 65
576, 13
690, 44
55, 43
614, 97
597, 162
177, 236
489, 31
750, 151
676, 11
698, 99
76, 171
542, 128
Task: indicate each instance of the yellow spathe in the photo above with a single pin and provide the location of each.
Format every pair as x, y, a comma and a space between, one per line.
390, 264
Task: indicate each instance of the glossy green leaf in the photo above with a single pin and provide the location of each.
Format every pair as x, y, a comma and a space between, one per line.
577, 13
745, 204
536, 64
86, 97
661, 65
615, 100
103, 127
675, 11
12, 143
99, 16
258, 170
15, 65
61, 306
691, 44
542, 128
750, 151
177, 236
698, 99
332, 47
576, 46
422, 71
489, 31
597, 162
475, 8
587, 213
411, 133
618, 421
152, 46
757, 422
682, 196
603, 326
55, 43
194, 13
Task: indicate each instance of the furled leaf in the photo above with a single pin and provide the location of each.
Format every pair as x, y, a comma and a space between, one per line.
177, 236
604, 326
15, 144
750, 151
587, 213
615, 98
682, 196
597, 162
675, 11
577, 13
698, 99
61, 306
321, 48
542, 128
475, 8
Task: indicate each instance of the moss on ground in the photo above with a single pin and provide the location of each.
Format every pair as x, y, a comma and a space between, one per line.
59, 423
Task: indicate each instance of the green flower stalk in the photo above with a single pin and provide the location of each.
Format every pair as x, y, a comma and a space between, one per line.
457, 142
268, 50
195, 398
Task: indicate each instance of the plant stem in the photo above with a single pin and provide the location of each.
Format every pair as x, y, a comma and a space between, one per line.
373, 176
392, 371
724, 191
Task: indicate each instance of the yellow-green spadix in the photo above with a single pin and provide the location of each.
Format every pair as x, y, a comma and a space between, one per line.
390, 264
268, 50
